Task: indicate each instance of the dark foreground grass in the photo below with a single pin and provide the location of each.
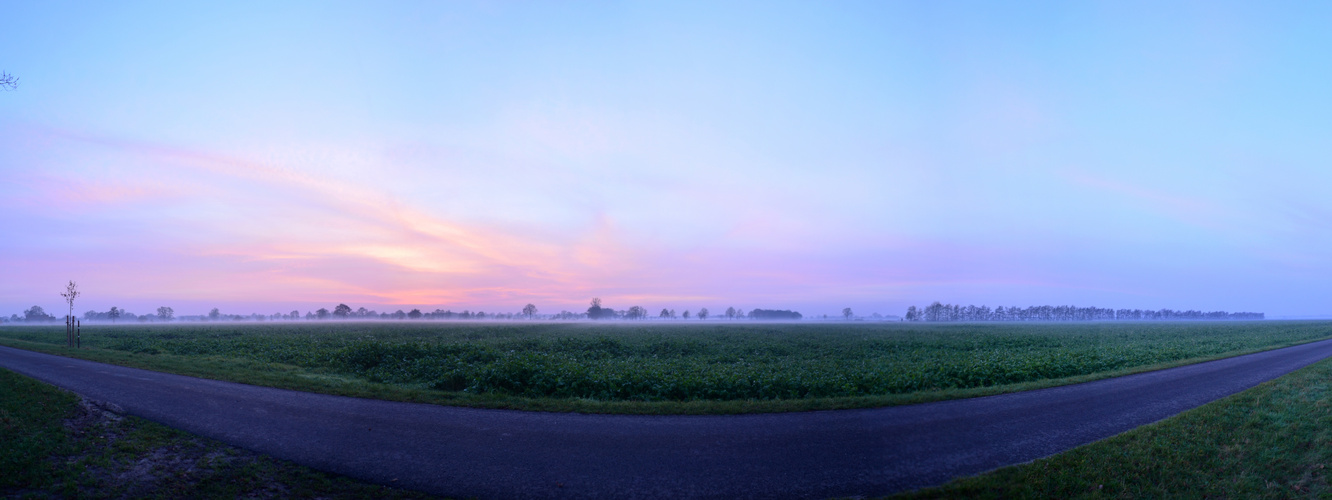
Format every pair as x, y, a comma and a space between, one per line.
1272, 441
711, 368
55, 445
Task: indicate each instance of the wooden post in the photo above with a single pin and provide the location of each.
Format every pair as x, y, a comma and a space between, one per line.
78, 334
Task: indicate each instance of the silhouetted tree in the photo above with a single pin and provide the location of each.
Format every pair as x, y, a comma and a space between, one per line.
214, 314
846, 313
321, 313
664, 314
703, 313
685, 314
114, 314
529, 311
165, 313
71, 292
36, 313
636, 312
342, 311
596, 311
415, 314
730, 313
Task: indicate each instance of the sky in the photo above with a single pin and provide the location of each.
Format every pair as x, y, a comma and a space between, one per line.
270, 156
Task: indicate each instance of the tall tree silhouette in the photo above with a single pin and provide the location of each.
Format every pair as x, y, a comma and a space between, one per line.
595, 312
71, 292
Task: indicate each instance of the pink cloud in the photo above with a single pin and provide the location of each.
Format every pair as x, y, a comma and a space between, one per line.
260, 233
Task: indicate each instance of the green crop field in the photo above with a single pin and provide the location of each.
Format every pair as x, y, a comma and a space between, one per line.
665, 368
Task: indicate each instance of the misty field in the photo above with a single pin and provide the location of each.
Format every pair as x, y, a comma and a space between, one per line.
691, 362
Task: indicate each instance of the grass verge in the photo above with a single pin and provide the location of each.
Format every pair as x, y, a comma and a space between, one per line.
1271, 441
54, 444
293, 377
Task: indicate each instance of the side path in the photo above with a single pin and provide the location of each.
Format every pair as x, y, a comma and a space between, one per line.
510, 454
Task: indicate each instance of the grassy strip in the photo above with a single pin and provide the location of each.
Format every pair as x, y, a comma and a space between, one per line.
30, 431
303, 379
53, 444
1272, 441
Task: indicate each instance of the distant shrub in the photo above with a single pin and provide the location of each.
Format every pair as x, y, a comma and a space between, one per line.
771, 314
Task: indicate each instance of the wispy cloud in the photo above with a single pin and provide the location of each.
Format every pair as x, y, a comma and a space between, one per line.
330, 237
1194, 210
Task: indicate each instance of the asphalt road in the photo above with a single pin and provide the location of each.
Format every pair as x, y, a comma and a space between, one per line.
467, 452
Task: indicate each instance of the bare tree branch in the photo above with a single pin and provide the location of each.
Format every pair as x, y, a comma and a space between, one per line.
8, 81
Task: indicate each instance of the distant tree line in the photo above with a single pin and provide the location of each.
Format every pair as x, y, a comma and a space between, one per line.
598, 312
36, 314
950, 312
935, 312
344, 312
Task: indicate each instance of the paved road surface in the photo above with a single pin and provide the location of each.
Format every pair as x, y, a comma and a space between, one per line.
510, 454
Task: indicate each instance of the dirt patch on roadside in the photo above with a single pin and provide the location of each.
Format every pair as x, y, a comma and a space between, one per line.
126, 457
